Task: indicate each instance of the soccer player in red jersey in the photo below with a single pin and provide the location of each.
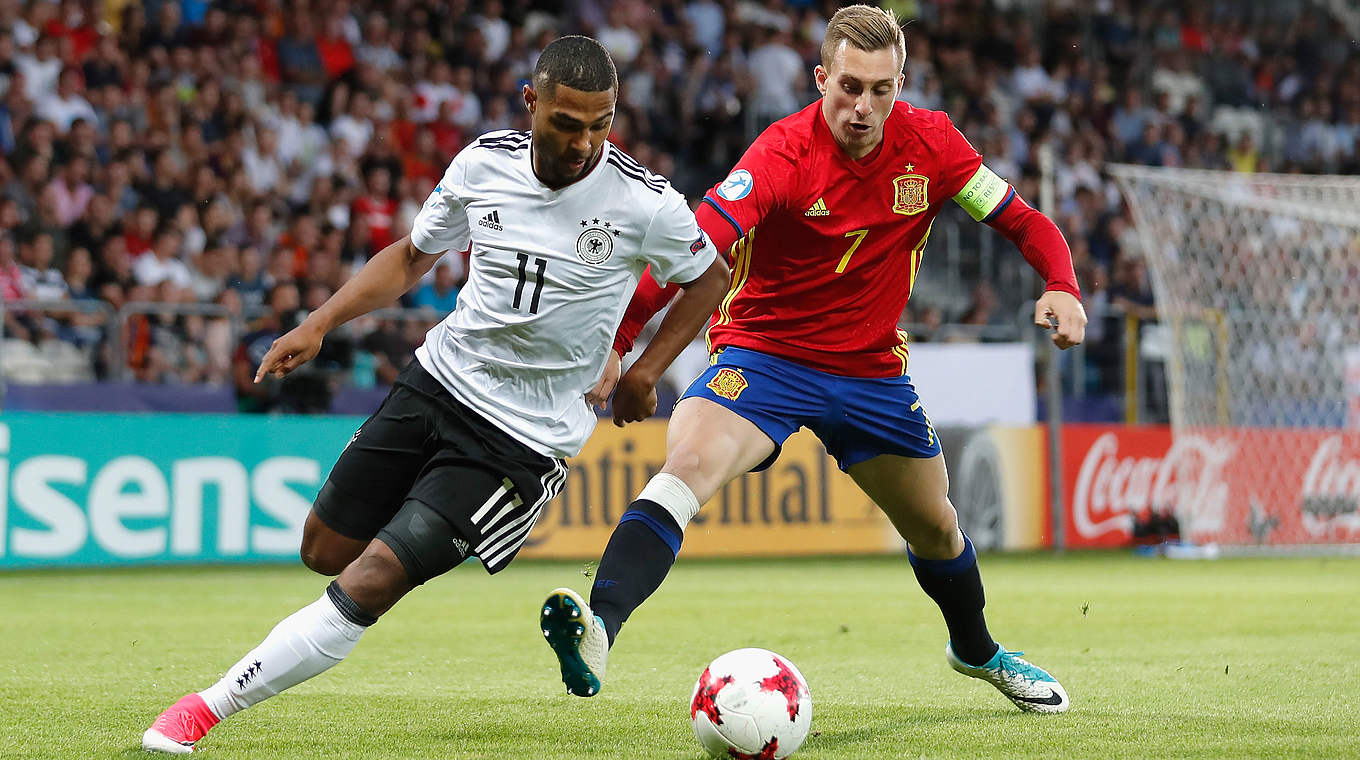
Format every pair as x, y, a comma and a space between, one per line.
826, 217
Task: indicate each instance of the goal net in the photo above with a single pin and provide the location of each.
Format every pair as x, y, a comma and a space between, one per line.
1257, 279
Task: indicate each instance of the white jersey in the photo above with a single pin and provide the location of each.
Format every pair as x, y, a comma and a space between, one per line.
551, 273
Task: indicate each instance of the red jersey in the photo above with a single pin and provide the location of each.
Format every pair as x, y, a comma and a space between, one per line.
381, 215
828, 247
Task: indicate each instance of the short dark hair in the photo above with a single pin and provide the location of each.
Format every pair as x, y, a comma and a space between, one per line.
578, 62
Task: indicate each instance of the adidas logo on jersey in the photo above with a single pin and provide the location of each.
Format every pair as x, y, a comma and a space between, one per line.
818, 209
492, 220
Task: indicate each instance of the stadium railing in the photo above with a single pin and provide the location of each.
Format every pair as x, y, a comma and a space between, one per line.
61, 357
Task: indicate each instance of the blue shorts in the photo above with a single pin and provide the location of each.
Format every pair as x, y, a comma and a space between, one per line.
856, 418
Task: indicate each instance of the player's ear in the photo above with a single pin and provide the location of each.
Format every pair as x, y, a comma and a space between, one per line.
819, 75
530, 98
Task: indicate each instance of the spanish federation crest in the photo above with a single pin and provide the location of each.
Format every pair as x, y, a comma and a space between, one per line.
909, 194
596, 244
728, 383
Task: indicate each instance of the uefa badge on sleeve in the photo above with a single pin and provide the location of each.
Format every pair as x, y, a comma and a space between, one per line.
737, 185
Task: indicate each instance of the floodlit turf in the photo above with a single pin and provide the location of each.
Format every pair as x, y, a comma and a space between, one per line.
1225, 659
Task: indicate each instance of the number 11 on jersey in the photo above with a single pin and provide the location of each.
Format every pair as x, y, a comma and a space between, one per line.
541, 265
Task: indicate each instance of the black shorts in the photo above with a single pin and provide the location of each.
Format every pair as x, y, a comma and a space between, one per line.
423, 444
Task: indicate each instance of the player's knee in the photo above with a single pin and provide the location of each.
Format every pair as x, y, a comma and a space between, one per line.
932, 533
423, 542
701, 476
376, 580
940, 536
324, 550
684, 464
322, 559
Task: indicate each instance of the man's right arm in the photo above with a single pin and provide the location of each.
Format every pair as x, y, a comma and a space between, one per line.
393, 271
651, 297
636, 396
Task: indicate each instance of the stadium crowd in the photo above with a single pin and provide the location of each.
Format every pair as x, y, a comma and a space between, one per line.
250, 155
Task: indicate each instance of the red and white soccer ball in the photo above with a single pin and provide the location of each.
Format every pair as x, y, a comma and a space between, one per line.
751, 704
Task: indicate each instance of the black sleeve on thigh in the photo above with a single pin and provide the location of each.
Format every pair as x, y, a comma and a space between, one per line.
427, 545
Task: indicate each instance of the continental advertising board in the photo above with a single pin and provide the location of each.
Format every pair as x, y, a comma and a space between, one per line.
802, 504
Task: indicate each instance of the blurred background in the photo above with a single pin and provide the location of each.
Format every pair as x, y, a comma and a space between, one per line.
181, 180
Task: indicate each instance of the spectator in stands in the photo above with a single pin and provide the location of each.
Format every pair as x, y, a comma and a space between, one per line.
390, 350
41, 69
98, 223
69, 190
41, 279
113, 276
84, 328
11, 276
12, 289
1131, 292
163, 189
283, 302
982, 311
377, 208
440, 295
162, 265
257, 118
778, 74
66, 104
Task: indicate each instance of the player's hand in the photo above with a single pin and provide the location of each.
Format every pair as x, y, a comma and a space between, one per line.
1061, 312
290, 351
599, 395
634, 398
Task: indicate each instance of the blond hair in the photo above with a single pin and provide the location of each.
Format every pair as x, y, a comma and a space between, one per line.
864, 27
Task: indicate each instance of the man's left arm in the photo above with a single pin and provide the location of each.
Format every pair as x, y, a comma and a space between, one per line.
1044, 247
990, 199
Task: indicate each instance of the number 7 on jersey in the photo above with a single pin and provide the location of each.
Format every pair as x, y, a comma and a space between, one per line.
858, 235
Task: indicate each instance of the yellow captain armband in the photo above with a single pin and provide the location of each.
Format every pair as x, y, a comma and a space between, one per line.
983, 193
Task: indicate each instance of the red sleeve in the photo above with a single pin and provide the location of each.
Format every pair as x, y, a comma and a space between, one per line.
1039, 239
719, 229
728, 211
757, 185
648, 299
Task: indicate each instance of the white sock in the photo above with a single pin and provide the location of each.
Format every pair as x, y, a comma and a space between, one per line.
672, 495
304, 644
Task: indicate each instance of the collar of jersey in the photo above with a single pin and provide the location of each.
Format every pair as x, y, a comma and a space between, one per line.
860, 166
587, 174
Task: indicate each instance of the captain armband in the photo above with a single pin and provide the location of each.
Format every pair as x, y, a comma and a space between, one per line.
983, 194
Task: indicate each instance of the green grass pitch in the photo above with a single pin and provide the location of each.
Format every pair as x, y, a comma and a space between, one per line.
1227, 659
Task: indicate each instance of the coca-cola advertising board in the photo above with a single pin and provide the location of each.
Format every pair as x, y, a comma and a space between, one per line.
1228, 486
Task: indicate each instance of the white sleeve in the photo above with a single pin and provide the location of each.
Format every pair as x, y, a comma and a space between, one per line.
442, 225
675, 246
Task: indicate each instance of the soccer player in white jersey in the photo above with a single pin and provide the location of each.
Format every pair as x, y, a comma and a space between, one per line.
469, 445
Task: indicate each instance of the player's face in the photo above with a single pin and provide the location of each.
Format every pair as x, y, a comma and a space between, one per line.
858, 89
569, 128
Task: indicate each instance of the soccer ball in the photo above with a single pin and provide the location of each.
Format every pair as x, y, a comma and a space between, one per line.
751, 704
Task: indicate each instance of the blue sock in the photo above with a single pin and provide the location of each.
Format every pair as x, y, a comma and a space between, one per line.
956, 586
635, 562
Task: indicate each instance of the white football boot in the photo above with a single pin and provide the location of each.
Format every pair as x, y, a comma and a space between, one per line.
1029, 686
578, 638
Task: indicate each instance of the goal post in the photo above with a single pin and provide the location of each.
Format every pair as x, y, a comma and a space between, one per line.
1257, 280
